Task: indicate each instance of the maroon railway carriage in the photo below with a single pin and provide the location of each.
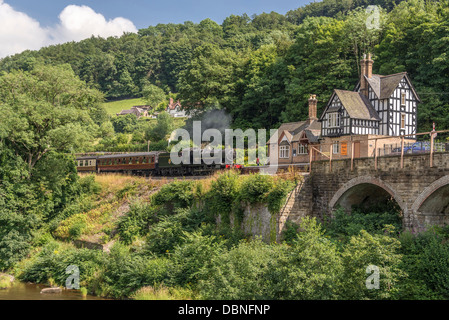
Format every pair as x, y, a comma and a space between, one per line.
135, 163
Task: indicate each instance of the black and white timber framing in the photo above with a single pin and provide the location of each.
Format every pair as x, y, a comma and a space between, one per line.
392, 98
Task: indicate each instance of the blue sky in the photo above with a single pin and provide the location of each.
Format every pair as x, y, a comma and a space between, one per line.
144, 13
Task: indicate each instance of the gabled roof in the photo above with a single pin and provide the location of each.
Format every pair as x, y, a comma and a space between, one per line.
292, 127
355, 103
384, 86
172, 105
312, 131
293, 131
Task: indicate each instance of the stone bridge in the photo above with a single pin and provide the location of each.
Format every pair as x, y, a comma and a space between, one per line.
421, 191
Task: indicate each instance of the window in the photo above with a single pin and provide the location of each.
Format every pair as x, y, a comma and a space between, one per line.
403, 99
284, 152
336, 147
402, 121
303, 149
334, 120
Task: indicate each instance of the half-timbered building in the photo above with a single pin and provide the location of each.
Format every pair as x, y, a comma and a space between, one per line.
384, 106
379, 105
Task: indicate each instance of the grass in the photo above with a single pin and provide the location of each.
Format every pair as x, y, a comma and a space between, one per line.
115, 107
116, 194
163, 293
5, 282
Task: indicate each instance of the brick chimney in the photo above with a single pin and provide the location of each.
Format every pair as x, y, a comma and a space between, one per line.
366, 69
313, 107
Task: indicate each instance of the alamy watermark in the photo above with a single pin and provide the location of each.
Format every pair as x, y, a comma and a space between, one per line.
373, 280
73, 281
373, 20
236, 141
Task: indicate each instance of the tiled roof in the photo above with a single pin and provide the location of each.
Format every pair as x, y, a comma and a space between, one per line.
357, 105
384, 86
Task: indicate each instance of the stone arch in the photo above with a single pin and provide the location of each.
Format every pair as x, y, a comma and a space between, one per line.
432, 205
427, 192
367, 183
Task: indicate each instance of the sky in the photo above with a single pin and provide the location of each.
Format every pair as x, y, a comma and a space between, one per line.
31, 24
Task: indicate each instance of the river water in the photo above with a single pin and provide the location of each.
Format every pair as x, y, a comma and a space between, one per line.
28, 291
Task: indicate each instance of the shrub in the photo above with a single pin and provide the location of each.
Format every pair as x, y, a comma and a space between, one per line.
52, 262
278, 194
426, 260
308, 270
240, 273
290, 233
5, 281
136, 222
126, 272
372, 220
255, 188
364, 250
223, 193
178, 194
89, 185
195, 253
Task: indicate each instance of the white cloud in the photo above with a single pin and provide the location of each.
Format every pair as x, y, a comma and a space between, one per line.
19, 32
81, 22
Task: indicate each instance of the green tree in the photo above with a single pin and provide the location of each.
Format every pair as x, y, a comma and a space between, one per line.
153, 95
382, 251
162, 129
46, 109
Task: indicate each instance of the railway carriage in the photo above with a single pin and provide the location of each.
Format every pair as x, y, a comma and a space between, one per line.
135, 163
86, 164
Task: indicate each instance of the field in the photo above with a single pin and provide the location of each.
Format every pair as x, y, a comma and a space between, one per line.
115, 107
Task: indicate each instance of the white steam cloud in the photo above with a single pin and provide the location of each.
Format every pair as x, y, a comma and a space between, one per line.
19, 32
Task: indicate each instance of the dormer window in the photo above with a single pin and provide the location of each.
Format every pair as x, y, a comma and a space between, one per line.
334, 120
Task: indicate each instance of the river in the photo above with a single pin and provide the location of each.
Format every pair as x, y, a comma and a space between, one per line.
28, 291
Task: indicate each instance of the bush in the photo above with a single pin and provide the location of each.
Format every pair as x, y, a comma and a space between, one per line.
125, 272
240, 273
364, 250
89, 185
426, 260
310, 269
255, 188
372, 220
136, 222
178, 194
277, 196
195, 253
223, 193
53, 260
167, 233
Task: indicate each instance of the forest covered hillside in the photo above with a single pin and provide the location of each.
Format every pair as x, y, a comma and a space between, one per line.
262, 69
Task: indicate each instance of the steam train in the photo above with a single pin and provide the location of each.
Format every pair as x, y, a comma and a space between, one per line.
157, 163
